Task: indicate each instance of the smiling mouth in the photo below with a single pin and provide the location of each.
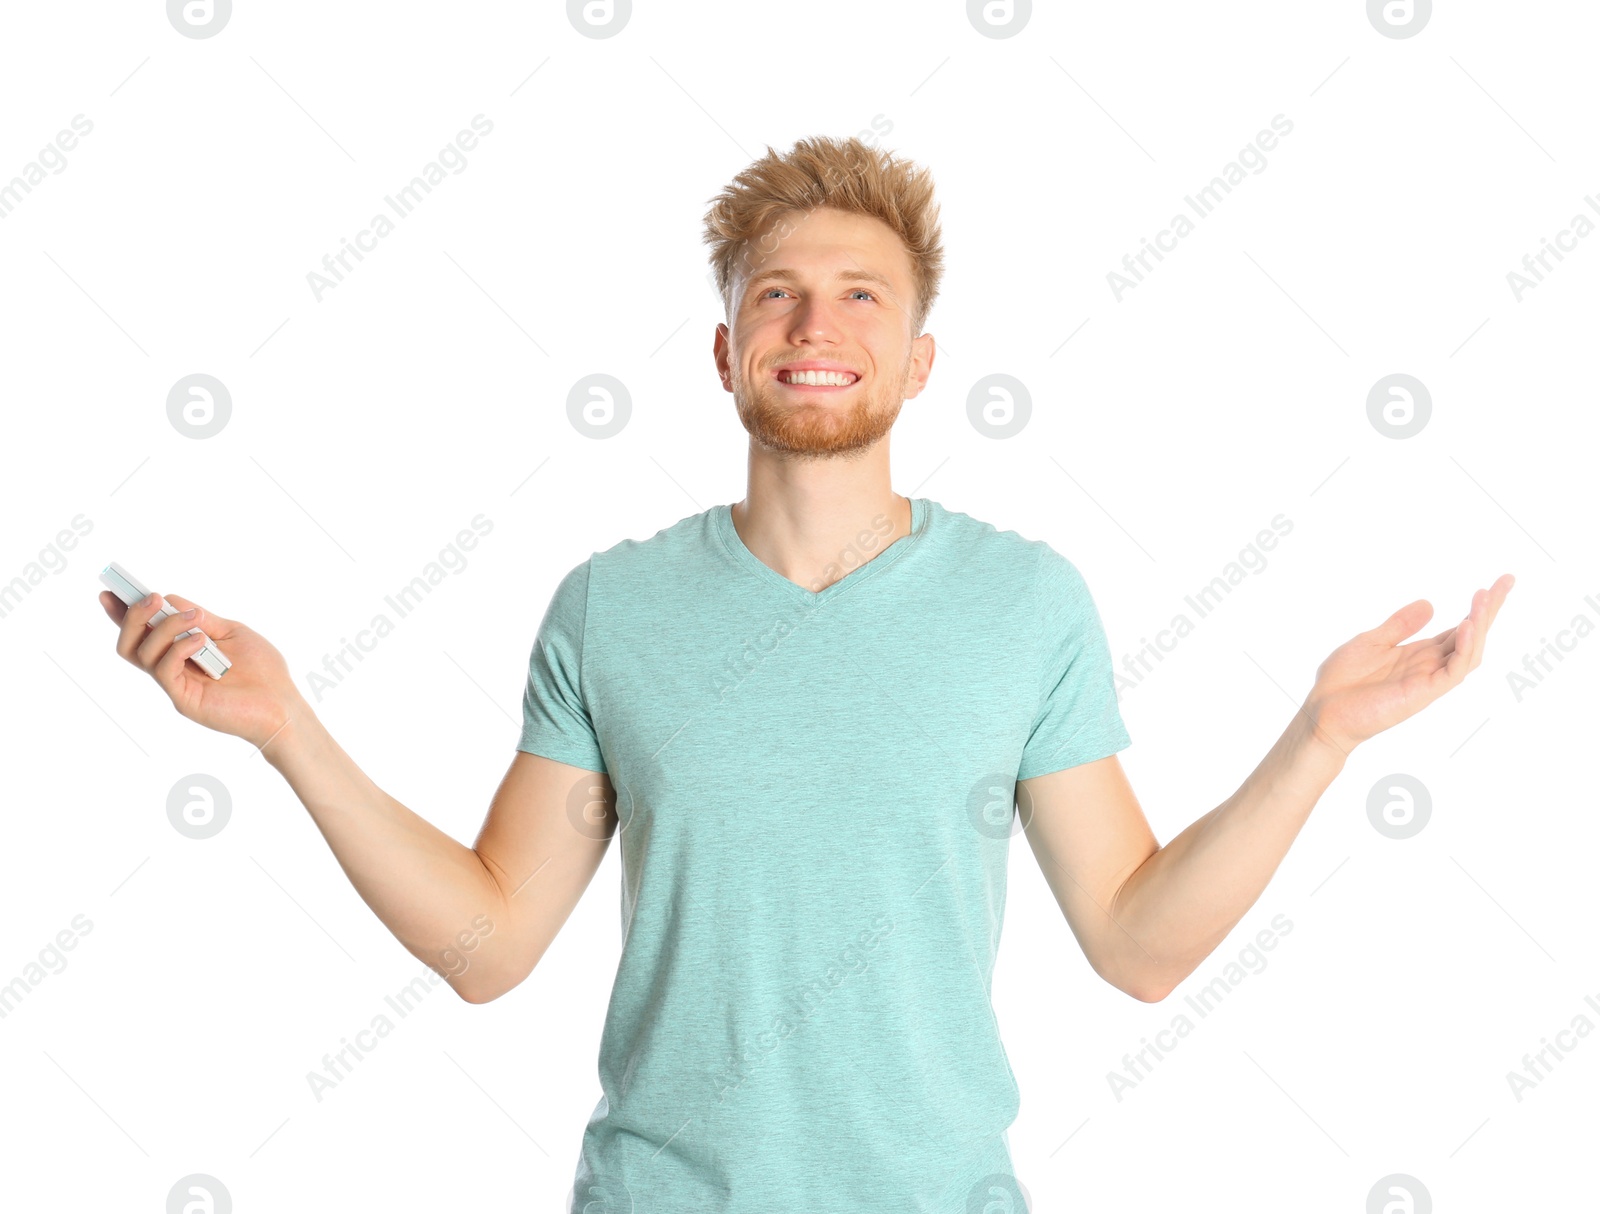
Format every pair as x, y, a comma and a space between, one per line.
824, 381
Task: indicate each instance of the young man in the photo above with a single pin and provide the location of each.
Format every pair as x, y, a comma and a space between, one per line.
806, 716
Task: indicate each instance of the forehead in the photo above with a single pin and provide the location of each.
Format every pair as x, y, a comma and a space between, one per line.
826, 244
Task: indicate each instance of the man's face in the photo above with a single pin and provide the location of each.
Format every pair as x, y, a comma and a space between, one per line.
823, 289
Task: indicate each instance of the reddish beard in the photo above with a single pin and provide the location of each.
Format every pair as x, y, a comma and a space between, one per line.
783, 421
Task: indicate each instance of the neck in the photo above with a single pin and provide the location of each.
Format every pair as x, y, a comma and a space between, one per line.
815, 520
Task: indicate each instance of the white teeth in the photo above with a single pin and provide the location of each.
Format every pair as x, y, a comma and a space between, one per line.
835, 378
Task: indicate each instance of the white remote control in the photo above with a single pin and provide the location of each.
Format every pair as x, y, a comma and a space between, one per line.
129, 589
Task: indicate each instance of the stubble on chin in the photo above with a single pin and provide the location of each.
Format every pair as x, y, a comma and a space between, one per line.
814, 431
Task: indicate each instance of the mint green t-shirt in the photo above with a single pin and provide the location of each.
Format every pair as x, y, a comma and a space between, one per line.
815, 796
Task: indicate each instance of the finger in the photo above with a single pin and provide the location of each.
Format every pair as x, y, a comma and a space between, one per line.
1497, 597
113, 606
1492, 598
1480, 625
134, 619
1401, 624
1439, 649
1460, 660
158, 639
169, 670
214, 624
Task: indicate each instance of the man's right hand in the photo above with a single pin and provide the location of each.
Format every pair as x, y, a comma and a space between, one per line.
481, 917
252, 700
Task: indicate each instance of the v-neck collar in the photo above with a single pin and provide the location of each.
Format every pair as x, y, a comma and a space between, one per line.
729, 534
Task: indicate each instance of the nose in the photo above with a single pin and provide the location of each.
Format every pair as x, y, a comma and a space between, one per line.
815, 321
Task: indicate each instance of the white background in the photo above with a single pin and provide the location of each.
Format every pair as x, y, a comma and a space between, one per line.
431, 385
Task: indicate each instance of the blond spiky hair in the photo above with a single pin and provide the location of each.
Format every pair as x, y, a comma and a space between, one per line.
845, 174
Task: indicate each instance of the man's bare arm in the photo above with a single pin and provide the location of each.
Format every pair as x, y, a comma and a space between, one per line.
1146, 916
480, 916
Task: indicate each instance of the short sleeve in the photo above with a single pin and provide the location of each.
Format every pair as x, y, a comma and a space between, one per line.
555, 716
1078, 720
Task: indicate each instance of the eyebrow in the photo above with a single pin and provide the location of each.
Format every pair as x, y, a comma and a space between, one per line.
844, 275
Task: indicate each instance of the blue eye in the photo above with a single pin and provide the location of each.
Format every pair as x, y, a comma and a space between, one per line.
768, 292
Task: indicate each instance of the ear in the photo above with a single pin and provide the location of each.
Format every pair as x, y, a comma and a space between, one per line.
923, 351
722, 353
